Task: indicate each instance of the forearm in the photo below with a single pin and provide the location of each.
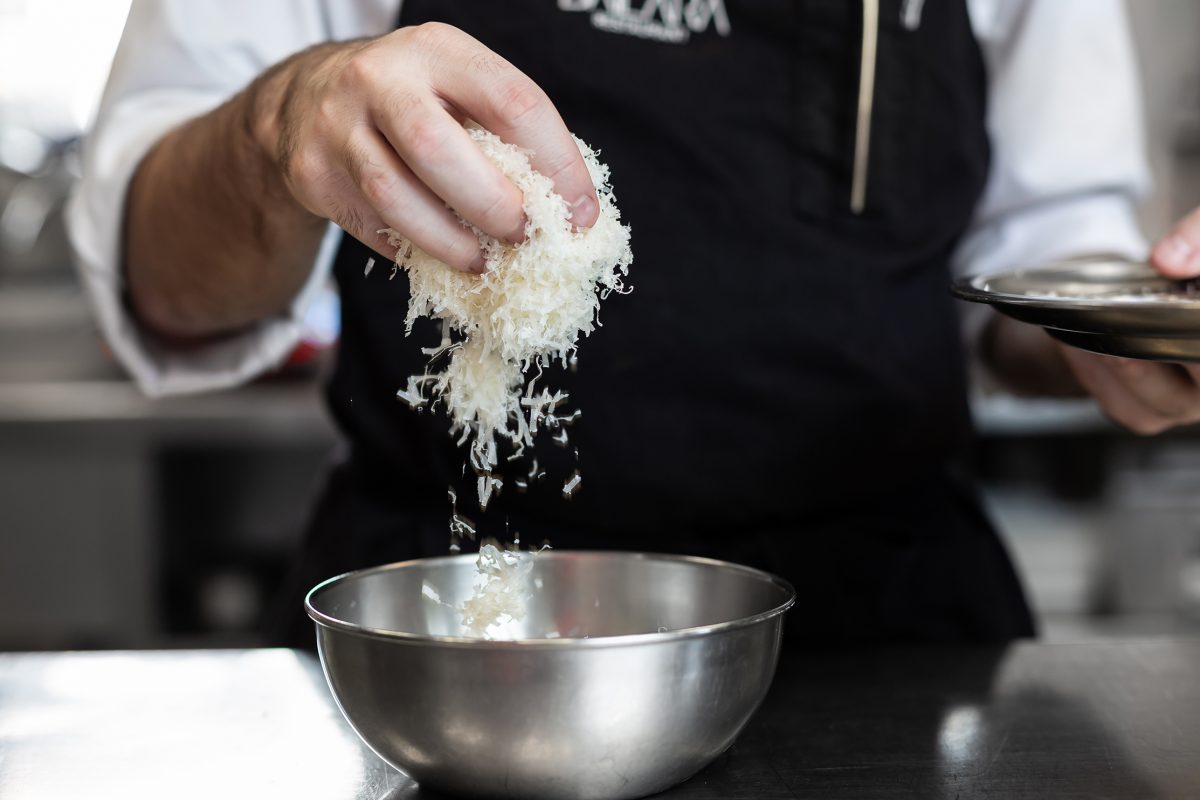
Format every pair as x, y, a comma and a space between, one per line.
214, 241
1026, 360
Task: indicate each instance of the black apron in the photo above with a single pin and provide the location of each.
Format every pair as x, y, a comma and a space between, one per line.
785, 385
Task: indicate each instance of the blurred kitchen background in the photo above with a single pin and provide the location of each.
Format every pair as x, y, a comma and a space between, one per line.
130, 523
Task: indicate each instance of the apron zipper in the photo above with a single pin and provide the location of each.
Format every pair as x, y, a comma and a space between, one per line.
866, 104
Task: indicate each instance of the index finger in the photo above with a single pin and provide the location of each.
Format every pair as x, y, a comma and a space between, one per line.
507, 102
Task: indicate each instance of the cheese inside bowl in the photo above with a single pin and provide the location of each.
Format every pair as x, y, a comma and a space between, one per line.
626, 675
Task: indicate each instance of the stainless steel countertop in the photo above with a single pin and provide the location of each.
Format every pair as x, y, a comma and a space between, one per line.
1119, 719
209, 725
54, 374
120, 400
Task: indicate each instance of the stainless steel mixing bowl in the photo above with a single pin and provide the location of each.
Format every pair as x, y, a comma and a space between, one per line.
629, 673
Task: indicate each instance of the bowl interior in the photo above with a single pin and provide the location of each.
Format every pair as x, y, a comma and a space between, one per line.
572, 595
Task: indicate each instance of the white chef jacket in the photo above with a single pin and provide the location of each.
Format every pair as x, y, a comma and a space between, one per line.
1065, 119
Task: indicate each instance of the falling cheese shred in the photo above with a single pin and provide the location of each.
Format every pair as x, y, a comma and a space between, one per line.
526, 311
501, 593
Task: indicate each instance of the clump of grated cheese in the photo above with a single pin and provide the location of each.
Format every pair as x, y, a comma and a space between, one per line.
528, 309
502, 592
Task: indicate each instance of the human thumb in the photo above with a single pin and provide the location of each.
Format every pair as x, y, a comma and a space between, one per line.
1177, 255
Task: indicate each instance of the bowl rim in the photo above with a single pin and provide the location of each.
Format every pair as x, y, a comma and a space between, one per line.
325, 620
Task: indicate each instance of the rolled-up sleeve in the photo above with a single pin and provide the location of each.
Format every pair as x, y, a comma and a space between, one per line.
1068, 146
177, 60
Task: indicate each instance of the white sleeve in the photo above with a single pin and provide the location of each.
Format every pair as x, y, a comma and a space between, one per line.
179, 59
1066, 124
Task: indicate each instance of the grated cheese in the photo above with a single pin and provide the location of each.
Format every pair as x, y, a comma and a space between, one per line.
501, 594
527, 310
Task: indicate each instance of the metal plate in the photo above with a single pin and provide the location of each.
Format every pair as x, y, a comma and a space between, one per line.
1114, 307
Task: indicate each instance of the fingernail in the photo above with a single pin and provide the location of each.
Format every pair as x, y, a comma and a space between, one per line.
479, 265
585, 208
1174, 252
517, 235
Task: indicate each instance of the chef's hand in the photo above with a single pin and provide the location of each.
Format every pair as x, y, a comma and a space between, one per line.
1145, 396
369, 135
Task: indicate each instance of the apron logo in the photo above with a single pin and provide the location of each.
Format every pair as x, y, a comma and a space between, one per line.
672, 21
